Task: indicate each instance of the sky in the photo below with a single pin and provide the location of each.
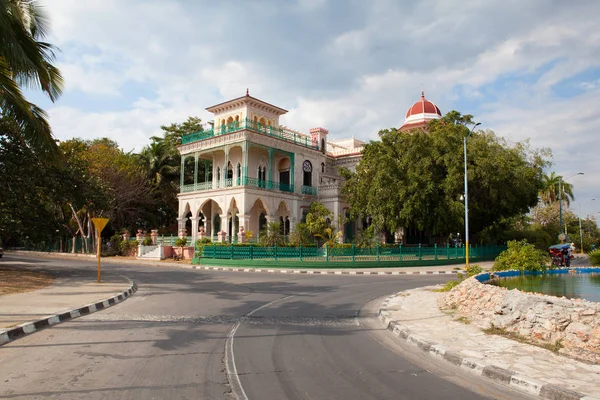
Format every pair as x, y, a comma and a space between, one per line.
528, 70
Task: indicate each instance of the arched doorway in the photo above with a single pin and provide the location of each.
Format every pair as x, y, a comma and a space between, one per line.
262, 222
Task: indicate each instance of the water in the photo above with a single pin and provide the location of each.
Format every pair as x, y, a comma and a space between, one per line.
572, 286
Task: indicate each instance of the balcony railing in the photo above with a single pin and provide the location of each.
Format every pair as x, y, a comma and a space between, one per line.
278, 132
311, 190
245, 181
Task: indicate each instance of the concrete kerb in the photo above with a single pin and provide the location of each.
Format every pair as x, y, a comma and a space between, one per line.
19, 331
504, 376
358, 271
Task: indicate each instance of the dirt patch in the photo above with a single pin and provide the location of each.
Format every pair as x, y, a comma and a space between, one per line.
14, 280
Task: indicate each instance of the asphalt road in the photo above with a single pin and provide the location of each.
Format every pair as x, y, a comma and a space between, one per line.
190, 334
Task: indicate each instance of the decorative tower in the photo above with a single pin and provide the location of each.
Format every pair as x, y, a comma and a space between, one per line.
319, 138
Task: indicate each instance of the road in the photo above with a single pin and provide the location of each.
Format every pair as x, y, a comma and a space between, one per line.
191, 334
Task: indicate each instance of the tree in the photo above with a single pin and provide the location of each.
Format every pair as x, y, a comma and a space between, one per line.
551, 187
318, 221
415, 179
31, 190
271, 235
25, 60
162, 162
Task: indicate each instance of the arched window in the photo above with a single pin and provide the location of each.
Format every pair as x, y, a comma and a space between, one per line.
217, 223
218, 175
239, 173
307, 173
287, 226
262, 222
281, 226
323, 167
229, 171
261, 176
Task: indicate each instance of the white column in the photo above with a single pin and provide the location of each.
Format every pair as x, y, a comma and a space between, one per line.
194, 229
224, 223
181, 227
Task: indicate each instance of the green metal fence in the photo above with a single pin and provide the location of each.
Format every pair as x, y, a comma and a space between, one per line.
398, 255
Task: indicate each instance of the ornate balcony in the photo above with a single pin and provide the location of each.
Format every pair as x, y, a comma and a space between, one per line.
277, 132
242, 182
311, 190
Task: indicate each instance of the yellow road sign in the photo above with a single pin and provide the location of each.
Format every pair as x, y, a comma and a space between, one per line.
100, 223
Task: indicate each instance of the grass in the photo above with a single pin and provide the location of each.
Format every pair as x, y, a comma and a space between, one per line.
494, 330
464, 320
448, 286
13, 280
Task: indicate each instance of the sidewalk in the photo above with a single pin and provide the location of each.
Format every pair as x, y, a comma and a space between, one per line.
414, 316
72, 294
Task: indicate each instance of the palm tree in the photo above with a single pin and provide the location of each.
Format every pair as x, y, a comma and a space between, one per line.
25, 60
271, 235
159, 163
550, 191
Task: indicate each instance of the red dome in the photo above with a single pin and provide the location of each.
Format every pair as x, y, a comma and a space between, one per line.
423, 106
420, 114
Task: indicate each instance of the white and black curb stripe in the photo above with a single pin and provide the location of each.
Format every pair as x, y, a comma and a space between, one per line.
30, 327
502, 375
319, 272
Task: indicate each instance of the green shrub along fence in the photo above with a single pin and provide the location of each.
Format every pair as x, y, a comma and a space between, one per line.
339, 257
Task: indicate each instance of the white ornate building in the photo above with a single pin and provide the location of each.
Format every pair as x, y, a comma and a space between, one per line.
247, 170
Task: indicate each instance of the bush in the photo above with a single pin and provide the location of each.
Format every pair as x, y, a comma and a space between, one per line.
448, 286
203, 241
473, 270
128, 247
181, 242
521, 256
594, 257
147, 242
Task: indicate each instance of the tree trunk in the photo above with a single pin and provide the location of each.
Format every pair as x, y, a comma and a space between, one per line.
84, 245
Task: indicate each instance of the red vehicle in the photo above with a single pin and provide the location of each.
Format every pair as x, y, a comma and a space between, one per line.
561, 255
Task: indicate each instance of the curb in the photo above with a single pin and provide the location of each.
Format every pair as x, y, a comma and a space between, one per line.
501, 375
319, 272
234, 269
28, 328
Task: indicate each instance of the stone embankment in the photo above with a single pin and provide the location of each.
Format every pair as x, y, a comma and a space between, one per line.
573, 326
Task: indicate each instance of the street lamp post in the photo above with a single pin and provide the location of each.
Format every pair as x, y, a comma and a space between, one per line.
560, 179
467, 196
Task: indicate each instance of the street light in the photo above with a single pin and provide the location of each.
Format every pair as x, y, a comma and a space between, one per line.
560, 179
467, 196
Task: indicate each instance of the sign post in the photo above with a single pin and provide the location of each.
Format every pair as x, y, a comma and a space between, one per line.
99, 223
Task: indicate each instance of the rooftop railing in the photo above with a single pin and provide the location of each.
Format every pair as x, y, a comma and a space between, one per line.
278, 132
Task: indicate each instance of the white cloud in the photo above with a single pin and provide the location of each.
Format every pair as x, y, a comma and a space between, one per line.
353, 70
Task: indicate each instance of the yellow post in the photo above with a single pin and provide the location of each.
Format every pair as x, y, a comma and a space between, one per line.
98, 251
99, 223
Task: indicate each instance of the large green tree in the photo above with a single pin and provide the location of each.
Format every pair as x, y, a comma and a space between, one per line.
32, 190
415, 179
27, 61
162, 162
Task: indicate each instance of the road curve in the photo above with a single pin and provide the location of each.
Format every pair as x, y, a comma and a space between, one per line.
295, 337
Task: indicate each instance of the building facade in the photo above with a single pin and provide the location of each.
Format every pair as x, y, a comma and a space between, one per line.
248, 170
